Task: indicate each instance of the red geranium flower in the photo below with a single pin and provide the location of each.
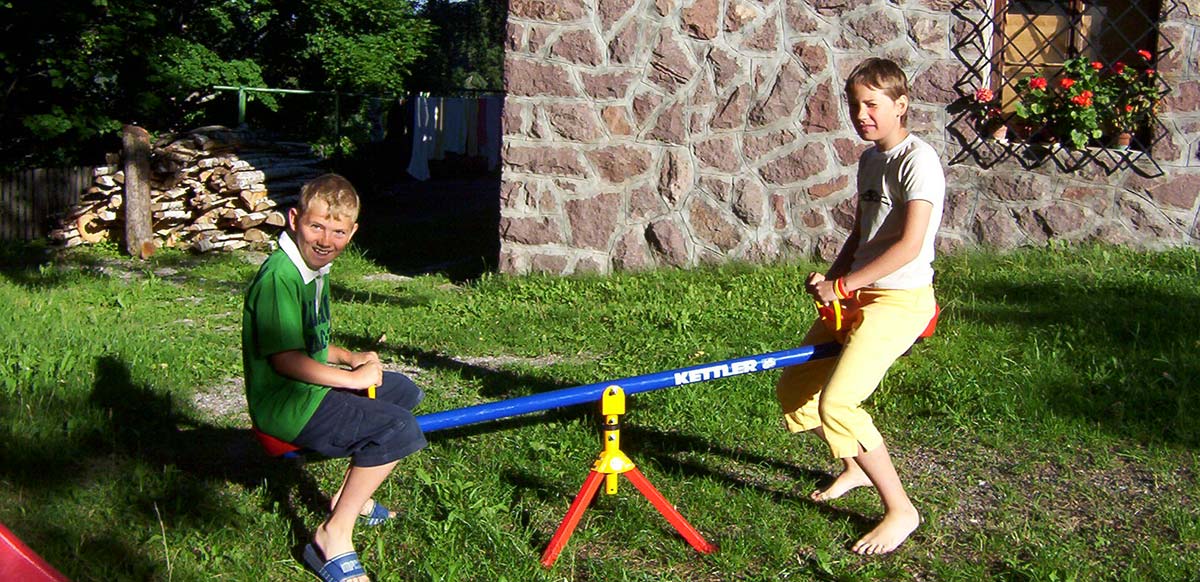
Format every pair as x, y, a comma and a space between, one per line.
1145, 54
1083, 99
1097, 65
1150, 72
983, 95
1037, 83
1119, 68
1066, 82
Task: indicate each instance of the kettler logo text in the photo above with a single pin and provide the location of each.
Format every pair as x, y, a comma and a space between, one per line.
721, 371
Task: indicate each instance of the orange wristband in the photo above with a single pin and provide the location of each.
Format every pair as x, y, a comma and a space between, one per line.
839, 288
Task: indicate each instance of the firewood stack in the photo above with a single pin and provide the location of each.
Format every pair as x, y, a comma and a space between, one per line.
212, 188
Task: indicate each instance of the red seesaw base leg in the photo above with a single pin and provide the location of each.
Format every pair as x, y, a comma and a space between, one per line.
586, 493
668, 511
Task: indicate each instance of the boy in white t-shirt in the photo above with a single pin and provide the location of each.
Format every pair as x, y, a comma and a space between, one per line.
883, 279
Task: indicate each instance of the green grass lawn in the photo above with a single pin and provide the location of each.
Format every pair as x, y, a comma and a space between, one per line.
1049, 431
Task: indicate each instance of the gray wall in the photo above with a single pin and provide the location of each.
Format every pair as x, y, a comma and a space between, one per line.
644, 133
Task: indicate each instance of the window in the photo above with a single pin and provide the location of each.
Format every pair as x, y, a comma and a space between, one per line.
1075, 73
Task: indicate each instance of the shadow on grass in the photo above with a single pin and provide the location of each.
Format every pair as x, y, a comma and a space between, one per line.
1131, 349
496, 384
339, 294
154, 464
448, 226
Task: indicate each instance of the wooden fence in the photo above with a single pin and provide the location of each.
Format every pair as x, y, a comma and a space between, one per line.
30, 199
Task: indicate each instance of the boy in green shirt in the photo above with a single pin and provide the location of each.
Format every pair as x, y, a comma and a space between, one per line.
304, 390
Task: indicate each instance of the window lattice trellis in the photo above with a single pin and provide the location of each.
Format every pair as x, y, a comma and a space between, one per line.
1040, 70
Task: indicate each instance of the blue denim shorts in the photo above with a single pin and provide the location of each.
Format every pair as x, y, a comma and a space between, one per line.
371, 432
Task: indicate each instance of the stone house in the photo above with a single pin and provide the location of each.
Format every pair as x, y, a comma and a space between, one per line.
644, 133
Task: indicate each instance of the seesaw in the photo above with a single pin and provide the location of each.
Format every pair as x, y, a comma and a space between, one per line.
593, 392
613, 463
19, 562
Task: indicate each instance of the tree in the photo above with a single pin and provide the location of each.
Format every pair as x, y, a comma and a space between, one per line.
468, 45
366, 46
73, 72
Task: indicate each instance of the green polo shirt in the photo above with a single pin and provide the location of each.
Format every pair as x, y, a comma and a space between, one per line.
286, 308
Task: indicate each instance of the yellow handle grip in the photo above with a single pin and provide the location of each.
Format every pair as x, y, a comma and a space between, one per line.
831, 315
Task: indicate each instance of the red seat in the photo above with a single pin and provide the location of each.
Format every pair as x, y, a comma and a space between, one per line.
274, 446
937, 310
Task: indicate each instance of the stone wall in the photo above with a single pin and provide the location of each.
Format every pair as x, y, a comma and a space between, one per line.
644, 133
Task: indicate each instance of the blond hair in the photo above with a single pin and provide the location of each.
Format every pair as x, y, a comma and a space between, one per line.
881, 75
336, 192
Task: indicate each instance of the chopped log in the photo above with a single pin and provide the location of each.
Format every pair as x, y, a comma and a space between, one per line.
280, 202
250, 220
251, 198
103, 171
115, 201
276, 218
197, 227
106, 181
91, 228
82, 208
216, 180
174, 215
243, 180
255, 235
164, 204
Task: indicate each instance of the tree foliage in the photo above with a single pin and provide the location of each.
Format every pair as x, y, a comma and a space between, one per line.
468, 46
73, 71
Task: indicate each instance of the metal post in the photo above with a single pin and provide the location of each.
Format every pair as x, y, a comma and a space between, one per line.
241, 106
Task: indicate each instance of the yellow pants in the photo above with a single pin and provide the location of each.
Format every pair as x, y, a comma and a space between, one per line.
880, 325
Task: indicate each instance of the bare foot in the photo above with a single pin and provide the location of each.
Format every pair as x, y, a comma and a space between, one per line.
842, 484
890, 533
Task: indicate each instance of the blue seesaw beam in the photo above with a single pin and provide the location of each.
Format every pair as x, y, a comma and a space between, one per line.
645, 383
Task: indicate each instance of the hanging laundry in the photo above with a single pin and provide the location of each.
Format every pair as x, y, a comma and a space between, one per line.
424, 137
473, 127
454, 128
439, 132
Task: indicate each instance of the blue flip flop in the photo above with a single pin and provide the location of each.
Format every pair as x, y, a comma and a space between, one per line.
337, 569
379, 514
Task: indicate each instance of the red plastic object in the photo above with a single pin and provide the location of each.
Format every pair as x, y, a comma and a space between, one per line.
19, 562
274, 446
664, 507
591, 485
929, 329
